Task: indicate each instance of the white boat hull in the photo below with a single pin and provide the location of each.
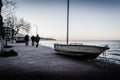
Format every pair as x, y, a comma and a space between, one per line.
82, 51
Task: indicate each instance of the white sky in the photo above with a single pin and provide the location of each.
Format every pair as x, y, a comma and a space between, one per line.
88, 20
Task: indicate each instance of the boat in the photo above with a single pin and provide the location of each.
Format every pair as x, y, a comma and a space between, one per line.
78, 50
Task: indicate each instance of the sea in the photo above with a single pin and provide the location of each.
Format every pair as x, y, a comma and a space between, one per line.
112, 55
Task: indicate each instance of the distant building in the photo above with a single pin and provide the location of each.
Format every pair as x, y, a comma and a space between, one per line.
20, 38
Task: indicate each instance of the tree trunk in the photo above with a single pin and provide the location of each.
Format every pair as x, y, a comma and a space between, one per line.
12, 35
2, 45
1, 28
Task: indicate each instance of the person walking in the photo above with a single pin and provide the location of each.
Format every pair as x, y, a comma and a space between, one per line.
33, 40
26, 38
37, 39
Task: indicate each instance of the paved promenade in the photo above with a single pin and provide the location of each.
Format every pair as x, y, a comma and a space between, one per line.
43, 64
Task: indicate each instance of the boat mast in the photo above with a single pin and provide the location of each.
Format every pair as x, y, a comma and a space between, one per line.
67, 21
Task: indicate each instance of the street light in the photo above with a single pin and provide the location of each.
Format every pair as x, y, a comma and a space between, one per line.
36, 29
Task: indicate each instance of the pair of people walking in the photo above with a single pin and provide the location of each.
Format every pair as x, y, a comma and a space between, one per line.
33, 39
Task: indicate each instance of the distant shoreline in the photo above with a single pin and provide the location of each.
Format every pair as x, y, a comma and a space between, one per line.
48, 39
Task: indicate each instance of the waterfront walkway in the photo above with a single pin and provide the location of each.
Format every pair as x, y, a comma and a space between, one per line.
43, 64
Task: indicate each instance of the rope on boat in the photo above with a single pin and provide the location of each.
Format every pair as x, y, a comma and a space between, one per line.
104, 54
101, 63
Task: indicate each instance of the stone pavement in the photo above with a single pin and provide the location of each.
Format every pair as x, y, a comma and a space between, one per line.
43, 63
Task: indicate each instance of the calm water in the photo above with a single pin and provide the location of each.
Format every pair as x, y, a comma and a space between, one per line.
113, 54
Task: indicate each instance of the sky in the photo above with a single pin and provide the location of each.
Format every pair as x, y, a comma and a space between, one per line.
89, 19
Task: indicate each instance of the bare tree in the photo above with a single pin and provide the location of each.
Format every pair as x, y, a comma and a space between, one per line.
17, 24
24, 25
10, 20
8, 8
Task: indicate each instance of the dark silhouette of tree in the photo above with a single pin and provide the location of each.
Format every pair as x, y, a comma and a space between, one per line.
1, 27
11, 21
1, 21
7, 10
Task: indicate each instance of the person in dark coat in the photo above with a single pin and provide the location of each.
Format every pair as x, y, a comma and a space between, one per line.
37, 39
33, 40
26, 38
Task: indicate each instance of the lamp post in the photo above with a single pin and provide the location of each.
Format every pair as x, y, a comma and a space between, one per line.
36, 29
